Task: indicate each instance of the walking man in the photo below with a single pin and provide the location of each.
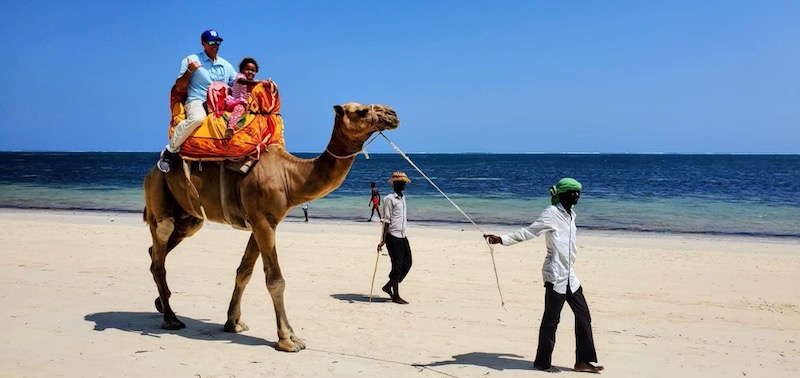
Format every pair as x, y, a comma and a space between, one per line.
374, 201
394, 236
558, 273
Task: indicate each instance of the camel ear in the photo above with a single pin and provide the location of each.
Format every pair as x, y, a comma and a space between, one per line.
339, 110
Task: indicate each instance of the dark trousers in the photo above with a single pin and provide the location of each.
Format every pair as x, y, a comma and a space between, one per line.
584, 342
400, 253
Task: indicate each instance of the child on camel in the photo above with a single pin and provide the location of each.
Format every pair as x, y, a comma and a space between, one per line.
240, 91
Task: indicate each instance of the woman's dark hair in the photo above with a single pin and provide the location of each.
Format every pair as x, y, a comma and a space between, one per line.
247, 60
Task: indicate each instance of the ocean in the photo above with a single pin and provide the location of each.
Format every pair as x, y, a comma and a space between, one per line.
747, 195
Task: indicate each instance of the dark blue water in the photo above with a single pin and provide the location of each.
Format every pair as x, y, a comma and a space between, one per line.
709, 194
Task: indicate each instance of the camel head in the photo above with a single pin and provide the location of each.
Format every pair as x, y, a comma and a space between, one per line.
356, 122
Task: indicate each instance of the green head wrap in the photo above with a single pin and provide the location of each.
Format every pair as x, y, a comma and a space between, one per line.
562, 187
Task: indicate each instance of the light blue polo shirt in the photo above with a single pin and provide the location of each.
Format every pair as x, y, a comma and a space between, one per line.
208, 73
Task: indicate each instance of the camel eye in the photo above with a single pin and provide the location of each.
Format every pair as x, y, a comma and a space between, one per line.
362, 113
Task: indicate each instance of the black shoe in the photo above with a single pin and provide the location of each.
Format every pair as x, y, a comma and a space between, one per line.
165, 162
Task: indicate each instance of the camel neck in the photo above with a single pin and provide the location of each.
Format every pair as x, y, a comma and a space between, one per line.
320, 176
340, 146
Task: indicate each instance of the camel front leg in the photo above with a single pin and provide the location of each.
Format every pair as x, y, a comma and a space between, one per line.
243, 274
265, 236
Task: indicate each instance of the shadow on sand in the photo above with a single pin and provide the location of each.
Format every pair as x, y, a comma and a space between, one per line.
496, 361
149, 324
353, 298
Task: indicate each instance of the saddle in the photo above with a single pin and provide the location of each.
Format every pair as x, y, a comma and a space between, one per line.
259, 127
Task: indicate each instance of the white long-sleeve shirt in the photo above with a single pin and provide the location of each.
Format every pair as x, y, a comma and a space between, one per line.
560, 229
394, 213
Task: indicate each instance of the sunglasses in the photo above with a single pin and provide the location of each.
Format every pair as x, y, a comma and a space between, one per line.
212, 43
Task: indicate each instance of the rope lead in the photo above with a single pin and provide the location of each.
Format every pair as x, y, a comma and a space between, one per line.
491, 249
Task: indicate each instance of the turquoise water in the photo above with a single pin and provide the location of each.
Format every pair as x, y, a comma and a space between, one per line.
756, 195
656, 215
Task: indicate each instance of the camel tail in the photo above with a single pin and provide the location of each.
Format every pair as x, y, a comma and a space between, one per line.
153, 181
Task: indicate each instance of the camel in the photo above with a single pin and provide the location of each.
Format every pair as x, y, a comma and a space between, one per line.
258, 200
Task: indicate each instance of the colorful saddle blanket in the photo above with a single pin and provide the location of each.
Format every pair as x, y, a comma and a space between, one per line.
259, 127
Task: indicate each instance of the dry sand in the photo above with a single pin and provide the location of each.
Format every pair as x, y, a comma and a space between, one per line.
77, 301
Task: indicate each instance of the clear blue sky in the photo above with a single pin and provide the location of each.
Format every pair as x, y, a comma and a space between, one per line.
464, 76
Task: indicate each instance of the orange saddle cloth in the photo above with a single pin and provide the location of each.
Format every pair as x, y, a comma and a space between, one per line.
260, 126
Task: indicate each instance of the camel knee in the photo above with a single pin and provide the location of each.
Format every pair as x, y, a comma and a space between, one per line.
277, 285
244, 271
243, 275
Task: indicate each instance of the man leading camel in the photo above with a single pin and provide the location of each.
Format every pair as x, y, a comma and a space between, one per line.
561, 283
197, 73
394, 236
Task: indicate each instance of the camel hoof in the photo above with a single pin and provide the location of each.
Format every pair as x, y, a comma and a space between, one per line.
290, 346
173, 325
159, 305
235, 328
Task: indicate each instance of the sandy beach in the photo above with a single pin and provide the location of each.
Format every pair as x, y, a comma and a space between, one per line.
78, 296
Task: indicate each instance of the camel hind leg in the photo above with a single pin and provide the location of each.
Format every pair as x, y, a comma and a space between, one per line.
167, 234
169, 225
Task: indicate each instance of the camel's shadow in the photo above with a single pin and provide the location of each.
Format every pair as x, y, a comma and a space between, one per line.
149, 324
496, 361
353, 298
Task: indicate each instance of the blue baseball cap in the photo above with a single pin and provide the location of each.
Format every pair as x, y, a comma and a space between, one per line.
210, 35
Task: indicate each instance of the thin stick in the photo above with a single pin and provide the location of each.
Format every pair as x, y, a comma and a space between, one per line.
375, 271
491, 249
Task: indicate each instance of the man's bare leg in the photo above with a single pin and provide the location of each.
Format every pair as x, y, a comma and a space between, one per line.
388, 289
396, 298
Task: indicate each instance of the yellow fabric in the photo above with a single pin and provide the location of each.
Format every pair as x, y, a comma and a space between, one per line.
260, 126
